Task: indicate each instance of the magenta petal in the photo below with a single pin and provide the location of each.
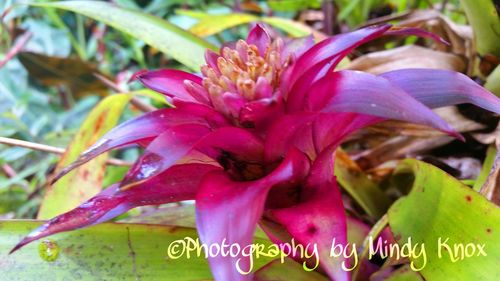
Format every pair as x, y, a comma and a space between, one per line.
227, 211
292, 130
360, 92
163, 152
256, 114
197, 91
259, 37
234, 103
333, 128
143, 129
239, 143
321, 59
170, 82
319, 218
296, 47
176, 184
296, 95
436, 88
211, 59
328, 49
263, 89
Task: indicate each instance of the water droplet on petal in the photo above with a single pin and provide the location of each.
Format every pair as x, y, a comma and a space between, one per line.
48, 250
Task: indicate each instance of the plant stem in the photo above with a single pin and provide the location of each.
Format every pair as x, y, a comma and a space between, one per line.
52, 149
134, 101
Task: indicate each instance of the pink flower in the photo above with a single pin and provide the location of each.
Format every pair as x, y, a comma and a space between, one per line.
255, 135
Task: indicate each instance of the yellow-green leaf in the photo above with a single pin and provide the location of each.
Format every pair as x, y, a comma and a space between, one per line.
216, 23
452, 221
84, 182
294, 28
109, 251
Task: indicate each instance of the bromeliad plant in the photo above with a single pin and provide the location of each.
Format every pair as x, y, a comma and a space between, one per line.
254, 136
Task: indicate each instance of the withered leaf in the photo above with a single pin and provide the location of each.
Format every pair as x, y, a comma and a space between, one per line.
407, 57
74, 73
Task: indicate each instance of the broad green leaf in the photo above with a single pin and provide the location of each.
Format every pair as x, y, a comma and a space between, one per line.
363, 190
441, 213
85, 181
109, 251
158, 33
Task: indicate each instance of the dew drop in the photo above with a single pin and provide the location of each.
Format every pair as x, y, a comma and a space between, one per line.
48, 250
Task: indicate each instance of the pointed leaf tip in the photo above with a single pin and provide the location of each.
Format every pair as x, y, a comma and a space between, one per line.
416, 32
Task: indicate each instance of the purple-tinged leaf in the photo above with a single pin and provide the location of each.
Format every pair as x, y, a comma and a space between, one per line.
259, 37
436, 88
322, 58
354, 91
143, 129
176, 184
299, 83
170, 82
228, 211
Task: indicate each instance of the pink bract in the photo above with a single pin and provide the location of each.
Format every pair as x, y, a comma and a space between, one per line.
255, 136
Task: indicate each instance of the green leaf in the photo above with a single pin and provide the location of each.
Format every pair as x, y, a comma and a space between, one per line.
487, 165
485, 22
158, 33
293, 5
493, 81
294, 28
364, 191
440, 208
86, 181
109, 251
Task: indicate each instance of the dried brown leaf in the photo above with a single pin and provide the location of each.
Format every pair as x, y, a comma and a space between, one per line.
76, 74
407, 57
